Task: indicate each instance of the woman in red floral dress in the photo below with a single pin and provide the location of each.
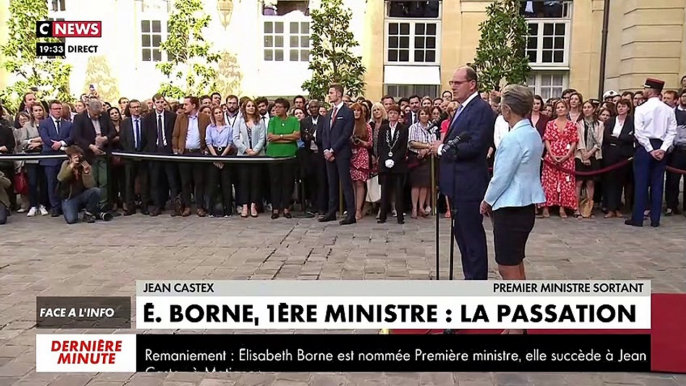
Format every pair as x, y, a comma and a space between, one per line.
560, 141
359, 163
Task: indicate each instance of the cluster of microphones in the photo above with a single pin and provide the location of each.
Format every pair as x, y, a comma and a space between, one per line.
435, 129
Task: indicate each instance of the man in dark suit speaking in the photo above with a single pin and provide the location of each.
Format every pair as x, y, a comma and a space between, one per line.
464, 170
336, 134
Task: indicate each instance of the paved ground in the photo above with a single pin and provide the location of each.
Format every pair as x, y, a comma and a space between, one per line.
40, 256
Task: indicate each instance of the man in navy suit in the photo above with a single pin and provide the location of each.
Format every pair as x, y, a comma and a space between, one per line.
337, 131
464, 170
56, 135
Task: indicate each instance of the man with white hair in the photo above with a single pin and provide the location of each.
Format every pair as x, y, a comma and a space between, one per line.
93, 131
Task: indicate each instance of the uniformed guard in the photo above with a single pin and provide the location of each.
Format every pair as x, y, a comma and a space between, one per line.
655, 129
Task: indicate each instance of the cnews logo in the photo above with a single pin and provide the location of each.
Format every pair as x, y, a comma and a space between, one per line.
69, 29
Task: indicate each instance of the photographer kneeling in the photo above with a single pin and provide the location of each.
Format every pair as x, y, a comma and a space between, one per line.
77, 188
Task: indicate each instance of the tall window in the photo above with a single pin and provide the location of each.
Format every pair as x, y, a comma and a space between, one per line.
549, 9
284, 7
413, 9
287, 41
63, 40
405, 90
58, 5
151, 38
547, 84
548, 43
549, 32
412, 42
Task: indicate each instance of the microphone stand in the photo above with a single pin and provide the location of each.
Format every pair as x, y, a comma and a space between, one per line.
451, 263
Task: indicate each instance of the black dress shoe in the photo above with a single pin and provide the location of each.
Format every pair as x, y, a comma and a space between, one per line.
633, 223
654, 224
145, 212
275, 216
381, 221
401, 222
288, 215
348, 221
328, 217
155, 212
54, 213
129, 213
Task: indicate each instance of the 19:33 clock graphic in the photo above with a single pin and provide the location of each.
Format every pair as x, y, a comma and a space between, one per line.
50, 49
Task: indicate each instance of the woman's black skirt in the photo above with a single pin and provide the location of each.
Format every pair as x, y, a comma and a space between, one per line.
511, 229
594, 166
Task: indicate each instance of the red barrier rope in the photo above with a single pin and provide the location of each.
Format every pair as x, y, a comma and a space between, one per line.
675, 170
593, 173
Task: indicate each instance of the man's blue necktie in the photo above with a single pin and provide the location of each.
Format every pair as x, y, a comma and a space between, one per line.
138, 135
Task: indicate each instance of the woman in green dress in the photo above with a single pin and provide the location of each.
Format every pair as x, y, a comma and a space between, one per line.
282, 134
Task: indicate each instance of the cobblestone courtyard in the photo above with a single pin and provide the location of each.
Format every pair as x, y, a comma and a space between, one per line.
43, 256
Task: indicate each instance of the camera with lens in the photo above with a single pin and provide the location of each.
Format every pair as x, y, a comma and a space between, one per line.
308, 135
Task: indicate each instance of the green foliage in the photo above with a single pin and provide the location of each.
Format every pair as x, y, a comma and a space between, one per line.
50, 76
189, 68
98, 73
230, 77
332, 60
501, 51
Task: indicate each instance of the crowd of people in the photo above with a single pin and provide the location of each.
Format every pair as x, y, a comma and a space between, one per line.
377, 154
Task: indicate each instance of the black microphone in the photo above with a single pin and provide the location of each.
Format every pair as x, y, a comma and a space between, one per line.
434, 125
453, 142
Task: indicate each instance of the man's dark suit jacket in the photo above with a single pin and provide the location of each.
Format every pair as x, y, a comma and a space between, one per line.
83, 132
310, 132
48, 133
464, 169
150, 125
128, 138
399, 150
337, 136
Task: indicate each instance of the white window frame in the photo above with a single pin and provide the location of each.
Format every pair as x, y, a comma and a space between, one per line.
63, 40
414, 91
539, 64
286, 35
155, 6
61, 6
151, 34
413, 22
387, 6
537, 86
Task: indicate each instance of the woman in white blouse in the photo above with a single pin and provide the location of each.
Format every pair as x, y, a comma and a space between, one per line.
501, 128
249, 137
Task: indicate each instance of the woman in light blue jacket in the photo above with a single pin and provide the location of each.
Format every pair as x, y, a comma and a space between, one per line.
515, 188
249, 137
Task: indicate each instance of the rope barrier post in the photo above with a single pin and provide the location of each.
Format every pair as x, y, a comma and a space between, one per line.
438, 248
340, 198
452, 247
434, 198
108, 175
